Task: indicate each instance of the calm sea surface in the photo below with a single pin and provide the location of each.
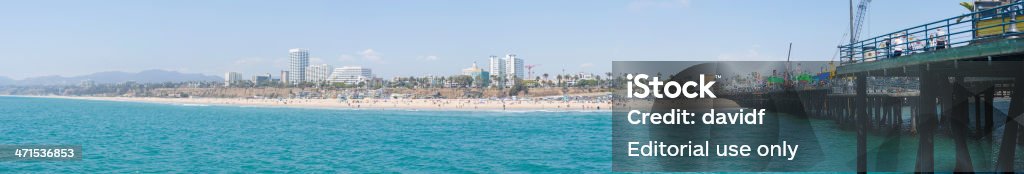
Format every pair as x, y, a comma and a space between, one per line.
141, 137
124, 137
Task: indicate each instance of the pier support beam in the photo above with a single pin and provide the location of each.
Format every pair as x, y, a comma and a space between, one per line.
926, 121
897, 113
876, 117
978, 127
914, 112
862, 122
1008, 148
958, 123
946, 102
989, 110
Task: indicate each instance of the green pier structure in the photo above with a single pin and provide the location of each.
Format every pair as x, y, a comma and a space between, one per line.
958, 61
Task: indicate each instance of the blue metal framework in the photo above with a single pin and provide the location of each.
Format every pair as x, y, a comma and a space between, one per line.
955, 32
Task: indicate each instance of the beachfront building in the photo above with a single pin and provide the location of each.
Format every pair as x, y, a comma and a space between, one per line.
298, 60
284, 78
480, 77
507, 70
514, 70
87, 83
497, 68
586, 76
351, 75
264, 79
573, 80
232, 78
318, 73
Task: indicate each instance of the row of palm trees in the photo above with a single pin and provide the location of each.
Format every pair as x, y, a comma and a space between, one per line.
562, 80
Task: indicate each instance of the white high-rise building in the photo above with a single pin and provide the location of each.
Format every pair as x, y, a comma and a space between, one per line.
514, 69
284, 78
507, 69
232, 78
298, 60
318, 73
497, 66
351, 75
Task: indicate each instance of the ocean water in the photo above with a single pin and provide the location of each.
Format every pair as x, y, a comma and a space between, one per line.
121, 137
831, 150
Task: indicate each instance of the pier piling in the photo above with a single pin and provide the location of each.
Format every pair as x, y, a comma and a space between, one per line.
926, 121
1008, 147
862, 123
959, 121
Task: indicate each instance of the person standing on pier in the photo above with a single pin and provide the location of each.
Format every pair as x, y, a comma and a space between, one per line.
900, 45
885, 45
940, 39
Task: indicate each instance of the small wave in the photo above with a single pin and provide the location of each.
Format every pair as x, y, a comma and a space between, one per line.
194, 105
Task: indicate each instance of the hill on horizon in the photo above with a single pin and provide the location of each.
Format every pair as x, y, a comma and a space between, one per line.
147, 76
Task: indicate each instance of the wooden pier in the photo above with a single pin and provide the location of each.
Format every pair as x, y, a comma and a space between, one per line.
951, 81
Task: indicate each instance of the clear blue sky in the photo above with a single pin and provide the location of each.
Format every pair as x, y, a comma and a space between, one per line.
406, 38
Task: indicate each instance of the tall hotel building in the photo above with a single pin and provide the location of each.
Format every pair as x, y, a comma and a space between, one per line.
232, 78
318, 73
509, 68
515, 67
497, 68
284, 78
298, 60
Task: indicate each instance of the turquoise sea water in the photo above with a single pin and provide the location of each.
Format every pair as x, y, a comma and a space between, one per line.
122, 137
832, 149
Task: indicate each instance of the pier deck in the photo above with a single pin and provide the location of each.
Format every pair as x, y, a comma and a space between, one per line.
984, 51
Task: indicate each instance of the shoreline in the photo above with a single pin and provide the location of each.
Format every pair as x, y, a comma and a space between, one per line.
371, 104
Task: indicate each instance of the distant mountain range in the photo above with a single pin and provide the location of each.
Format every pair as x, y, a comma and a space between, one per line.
148, 76
5, 80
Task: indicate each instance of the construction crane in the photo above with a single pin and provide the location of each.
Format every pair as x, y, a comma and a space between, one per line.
862, 9
529, 70
855, 29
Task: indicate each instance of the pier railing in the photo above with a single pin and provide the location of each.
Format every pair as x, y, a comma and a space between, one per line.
977, 27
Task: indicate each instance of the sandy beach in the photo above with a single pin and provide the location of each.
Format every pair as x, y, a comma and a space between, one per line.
425, 104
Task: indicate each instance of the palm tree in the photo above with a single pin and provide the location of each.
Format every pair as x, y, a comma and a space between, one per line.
546, 79
559, 77
969, 6
494, 80
442, 81
478, 81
